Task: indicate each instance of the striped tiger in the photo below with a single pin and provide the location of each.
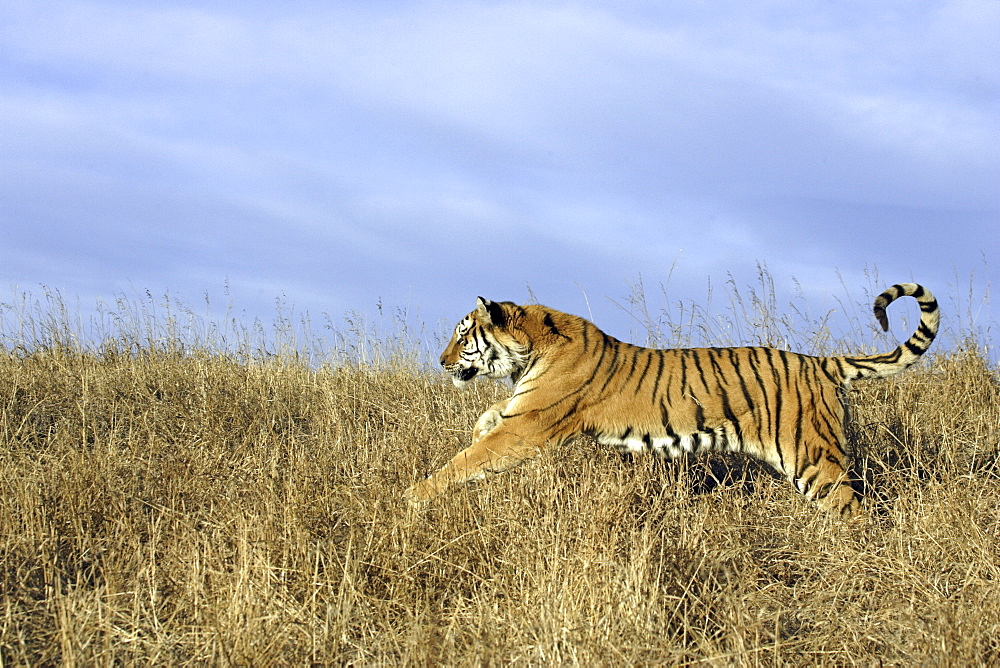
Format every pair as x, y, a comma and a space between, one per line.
570, 378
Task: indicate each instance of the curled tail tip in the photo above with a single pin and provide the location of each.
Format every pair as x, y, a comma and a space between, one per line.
908, 352
928, 304
883, 300
883, 321
929, 316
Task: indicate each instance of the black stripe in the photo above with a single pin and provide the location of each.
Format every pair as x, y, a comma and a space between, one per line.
776, 438
701, 371
800, 447
809, 481
712, 352
834, 378
830, 429
523, 392
667, 391
823, 491
684, 381
739, 376
578, 390
727, 411
665, 419
517, 376
754, 354
662, 354
631, 371
642, 377
699, 417
613, 367
572, 411
593, 375
548, 322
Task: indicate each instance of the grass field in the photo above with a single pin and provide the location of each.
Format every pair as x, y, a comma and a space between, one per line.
174, 504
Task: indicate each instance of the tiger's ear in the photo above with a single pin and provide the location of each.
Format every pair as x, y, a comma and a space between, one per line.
490, 311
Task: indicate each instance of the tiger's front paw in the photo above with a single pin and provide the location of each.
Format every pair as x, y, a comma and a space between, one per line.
420, 493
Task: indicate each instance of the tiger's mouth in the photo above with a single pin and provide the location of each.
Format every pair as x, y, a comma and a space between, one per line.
462, 376
467, 374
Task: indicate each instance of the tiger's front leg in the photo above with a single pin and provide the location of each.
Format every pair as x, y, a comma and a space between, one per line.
498, 443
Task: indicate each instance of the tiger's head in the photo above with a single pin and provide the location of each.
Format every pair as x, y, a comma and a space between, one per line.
487, 342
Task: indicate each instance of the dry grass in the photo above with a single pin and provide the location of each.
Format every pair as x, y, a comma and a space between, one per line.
177, 508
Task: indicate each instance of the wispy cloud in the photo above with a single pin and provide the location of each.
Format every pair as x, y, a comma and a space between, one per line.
352, 151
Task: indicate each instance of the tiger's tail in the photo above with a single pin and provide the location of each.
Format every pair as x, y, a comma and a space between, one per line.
908, 352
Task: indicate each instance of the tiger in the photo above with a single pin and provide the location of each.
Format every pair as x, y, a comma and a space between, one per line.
569, 378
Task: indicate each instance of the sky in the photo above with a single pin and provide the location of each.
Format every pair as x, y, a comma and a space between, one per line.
346, 157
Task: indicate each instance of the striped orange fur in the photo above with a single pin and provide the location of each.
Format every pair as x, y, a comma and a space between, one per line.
570, 378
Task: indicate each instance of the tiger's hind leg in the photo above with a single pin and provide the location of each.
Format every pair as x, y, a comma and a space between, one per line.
821, 475
829, 485
814, 453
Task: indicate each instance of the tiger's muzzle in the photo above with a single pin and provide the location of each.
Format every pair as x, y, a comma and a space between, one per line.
460, 375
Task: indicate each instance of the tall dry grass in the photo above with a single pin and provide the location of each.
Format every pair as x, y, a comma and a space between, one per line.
190, 504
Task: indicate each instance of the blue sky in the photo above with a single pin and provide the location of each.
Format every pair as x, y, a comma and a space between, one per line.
340, 155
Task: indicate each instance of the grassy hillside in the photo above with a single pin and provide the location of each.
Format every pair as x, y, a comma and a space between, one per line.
178, 505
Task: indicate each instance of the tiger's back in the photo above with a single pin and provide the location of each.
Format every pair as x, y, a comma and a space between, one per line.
570, 378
